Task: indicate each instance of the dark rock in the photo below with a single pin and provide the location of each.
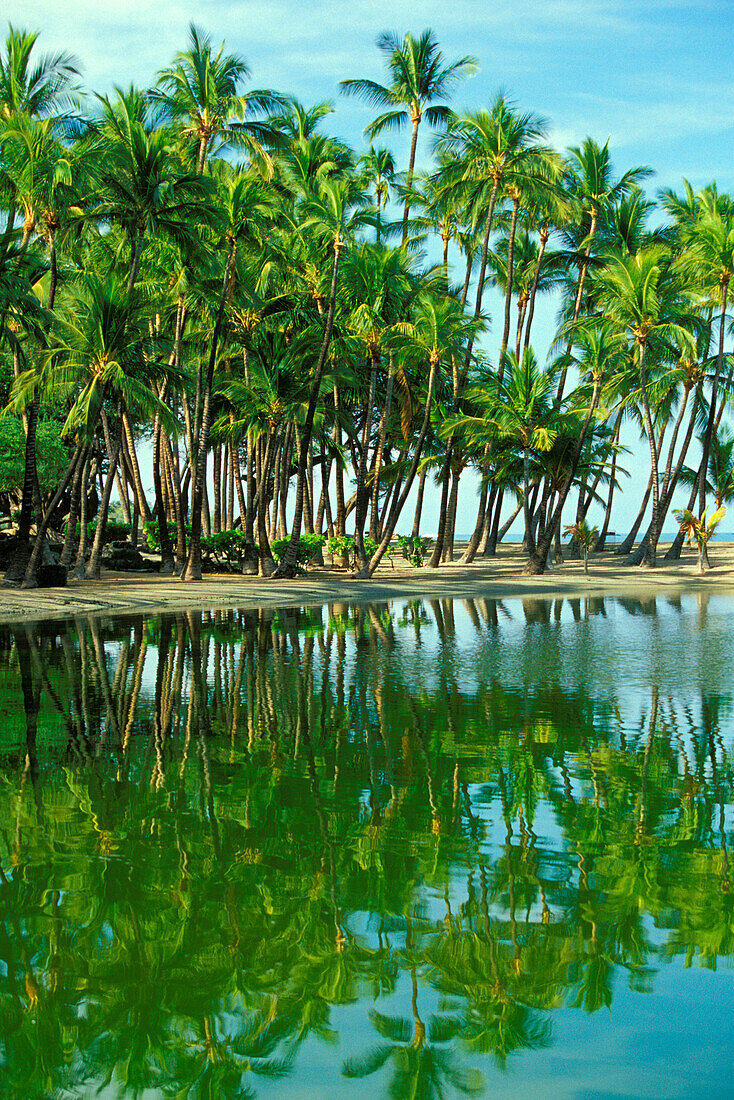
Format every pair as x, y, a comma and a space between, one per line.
51, 576
122, 557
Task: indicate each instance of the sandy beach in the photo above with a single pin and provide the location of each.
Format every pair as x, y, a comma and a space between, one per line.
500, 577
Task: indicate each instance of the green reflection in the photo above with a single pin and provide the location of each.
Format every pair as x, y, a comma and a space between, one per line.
400, 840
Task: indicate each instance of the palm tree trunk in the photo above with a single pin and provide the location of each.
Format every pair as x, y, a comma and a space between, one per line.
192, 570
362, 498
579, 295
167, 563
670, 477
419, 504
712, 406
544, 234
536, 564
93, 565
217, 486
601, 541
29, 581
382, 432
650, 560
508, 289
81, 553
409, 177
529, 541
399, 504
143, 507
470, 551
289, 562
448, 550
508, 522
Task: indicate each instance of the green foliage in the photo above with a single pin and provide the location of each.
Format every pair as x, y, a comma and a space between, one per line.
308, 545
230, 546
52, 454
152, 535
343, 546
413, 548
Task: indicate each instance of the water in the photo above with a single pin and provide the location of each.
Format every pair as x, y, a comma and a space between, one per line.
413, 849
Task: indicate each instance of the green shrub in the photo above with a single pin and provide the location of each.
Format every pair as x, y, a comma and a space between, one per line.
231, 546
113, 532
413, 548
308, 545
343, 546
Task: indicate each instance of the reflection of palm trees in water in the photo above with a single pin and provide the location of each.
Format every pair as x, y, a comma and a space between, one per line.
251, 802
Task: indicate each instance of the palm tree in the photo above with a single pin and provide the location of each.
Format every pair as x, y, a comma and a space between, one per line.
243, 201
518, 408
40, 87
41, 171
640, 298
483, 153
378, 166
584, 536
436, 336
330, 212
419, 75
593, 188
201, 93
378, 284
699, 529
97, 351
709, 260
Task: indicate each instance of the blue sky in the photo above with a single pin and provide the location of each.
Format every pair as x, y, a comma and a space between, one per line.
655, 78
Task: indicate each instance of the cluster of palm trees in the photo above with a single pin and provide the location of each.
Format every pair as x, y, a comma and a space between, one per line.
157, 937
201, 270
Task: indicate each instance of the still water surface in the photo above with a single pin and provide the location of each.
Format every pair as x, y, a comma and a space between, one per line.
422, 849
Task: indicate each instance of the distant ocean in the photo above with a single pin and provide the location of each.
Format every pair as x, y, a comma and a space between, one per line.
667, 536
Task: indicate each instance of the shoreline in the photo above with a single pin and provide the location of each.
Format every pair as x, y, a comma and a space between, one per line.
499, 578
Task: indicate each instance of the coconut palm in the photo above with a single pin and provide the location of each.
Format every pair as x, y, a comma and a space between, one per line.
200, 93
436, 337
592, 186
36, 87
97, 352
700, 530
584, 536
641, 298
709, 260
419, 75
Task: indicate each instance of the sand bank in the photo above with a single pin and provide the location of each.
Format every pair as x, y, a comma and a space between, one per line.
500, 577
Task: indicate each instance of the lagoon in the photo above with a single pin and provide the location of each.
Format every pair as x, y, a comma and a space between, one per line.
421, 848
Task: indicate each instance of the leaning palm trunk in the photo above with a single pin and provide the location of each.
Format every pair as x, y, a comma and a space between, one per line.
712, 413
192, 569
476, 535
471, 550
399, 504
289, 562
650, 560
18, 565
577, 301
382, 432
419, 504
81, 553
93, 565
670, 477
537, 563
508, 522
29, 581
599, 545
143, 507
78, 485
544, 234
362, 496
